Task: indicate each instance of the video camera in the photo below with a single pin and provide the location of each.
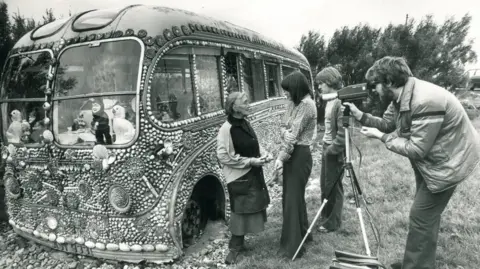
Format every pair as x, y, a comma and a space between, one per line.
351, 93
357, 94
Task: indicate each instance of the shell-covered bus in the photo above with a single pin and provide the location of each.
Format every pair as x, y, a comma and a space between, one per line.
109, 121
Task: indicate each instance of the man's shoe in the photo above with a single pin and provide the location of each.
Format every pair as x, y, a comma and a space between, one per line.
231, 257
397, 265
322, 229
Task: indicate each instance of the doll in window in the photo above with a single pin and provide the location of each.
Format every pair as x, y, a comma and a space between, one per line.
123, 128
35, 119
79, 123
14, 132
25, 132
100, 122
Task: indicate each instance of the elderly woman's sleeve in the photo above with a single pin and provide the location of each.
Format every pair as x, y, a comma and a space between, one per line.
225, 152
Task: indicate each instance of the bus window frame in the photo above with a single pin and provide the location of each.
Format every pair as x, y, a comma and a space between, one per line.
219, 78
136, 93
253, 57
237, 53
279, 79
191, 51
295, 67
17, 100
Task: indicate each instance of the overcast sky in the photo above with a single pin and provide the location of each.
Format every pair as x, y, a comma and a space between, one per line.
285, 21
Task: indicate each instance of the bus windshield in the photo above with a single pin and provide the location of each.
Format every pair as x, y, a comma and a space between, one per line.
22, 96
95, 93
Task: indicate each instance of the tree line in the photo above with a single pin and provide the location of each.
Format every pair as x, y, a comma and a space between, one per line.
435, 52
13, 27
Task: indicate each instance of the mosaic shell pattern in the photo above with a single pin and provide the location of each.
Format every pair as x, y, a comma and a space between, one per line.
127, 208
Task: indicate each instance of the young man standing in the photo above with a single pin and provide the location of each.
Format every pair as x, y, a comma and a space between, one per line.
330, 80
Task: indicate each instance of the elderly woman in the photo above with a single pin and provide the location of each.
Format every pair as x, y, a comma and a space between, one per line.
298, 131
238, 151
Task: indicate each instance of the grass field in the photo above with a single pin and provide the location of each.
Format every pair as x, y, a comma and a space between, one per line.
388, 179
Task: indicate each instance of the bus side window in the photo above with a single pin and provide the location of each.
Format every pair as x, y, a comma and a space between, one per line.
253, 79
286, 70
272, 78
172, 91
208, 83
231, 70
258, 80
248, 86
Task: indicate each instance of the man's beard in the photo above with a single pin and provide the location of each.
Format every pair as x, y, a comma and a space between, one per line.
386, 99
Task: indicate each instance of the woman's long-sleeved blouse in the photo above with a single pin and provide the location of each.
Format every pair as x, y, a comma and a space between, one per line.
301, 122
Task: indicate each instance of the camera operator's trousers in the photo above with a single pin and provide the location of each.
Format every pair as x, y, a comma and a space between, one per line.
332, 189
424, 225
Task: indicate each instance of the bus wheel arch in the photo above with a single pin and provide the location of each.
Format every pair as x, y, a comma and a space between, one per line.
207, 202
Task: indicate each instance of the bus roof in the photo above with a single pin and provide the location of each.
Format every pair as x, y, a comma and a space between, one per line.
156, 23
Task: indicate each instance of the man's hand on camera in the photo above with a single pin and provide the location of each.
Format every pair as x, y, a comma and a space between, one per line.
371, 132
356, 113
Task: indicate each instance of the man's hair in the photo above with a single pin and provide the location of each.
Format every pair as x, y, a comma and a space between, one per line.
297, 85
387, 70
330, 76
231, 98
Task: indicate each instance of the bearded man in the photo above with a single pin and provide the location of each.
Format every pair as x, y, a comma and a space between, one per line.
428, 125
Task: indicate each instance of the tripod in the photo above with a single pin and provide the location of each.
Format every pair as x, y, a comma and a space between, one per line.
357, 192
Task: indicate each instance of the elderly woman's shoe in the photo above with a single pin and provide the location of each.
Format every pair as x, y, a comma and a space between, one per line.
231, 257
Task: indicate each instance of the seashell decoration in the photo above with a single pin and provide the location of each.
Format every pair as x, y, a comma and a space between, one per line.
12, 186
100, 152
52, 223
102, 158
119, 198
46, 106
47, 136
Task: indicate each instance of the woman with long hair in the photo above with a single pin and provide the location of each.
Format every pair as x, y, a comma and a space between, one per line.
298, 132
240, 154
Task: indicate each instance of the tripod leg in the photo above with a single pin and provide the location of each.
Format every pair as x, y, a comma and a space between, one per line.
310, 228
356, 192
354, 176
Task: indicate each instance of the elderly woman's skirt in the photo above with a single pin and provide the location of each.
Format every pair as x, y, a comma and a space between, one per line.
242, 224
248, 201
